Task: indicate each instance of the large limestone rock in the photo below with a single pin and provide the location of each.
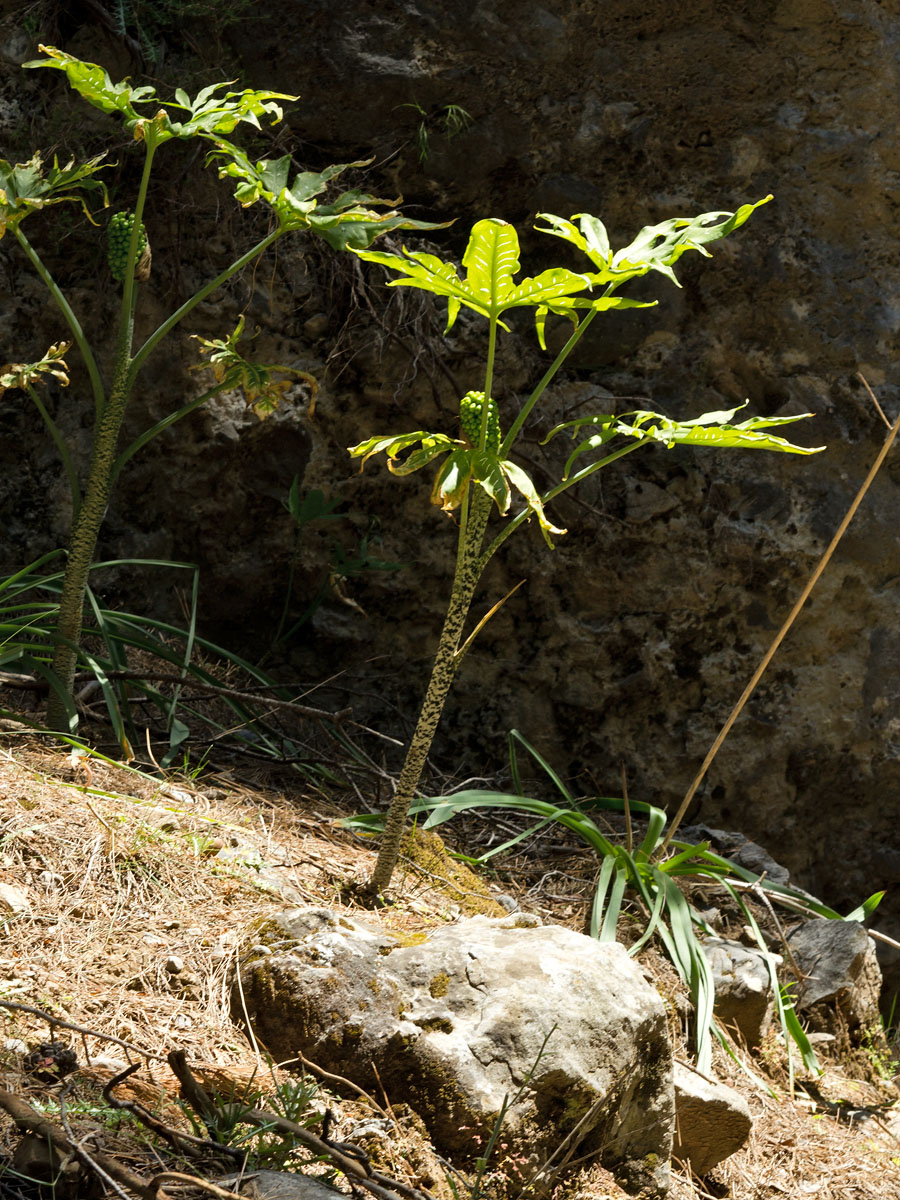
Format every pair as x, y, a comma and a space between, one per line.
475, 1014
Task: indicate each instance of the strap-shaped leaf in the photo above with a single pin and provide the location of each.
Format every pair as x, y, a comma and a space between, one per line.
656, 247
522, 482
25, 187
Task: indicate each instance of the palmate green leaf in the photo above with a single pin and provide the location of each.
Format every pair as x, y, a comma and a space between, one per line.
711, 429
489, 288
210, 114
433, 444
25, 187
348, 222
656, 247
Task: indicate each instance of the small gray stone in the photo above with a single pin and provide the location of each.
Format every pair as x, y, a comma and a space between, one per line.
712, 1122
281, 1185
839, 963
744, 997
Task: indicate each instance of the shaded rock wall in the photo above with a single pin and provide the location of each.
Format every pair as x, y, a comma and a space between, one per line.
633, 639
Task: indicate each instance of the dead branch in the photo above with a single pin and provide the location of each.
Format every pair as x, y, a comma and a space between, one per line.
56, 1023
32, 1122
358, 1169
181, 1142
11, 679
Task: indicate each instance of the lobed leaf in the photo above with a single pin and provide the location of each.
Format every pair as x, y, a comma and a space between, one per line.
25, 187
20, 375
346, 223
491, 260
263, 391
210, 115
711, 429
393, 444
656, 247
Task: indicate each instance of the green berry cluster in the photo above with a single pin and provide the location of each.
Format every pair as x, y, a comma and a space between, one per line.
470, 409
119, 240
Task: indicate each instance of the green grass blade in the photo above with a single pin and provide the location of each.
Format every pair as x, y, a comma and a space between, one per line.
446, 807
865, 909
692, 966
656, 907
514, 841
614, 904
515, 736
603, 883
12, 581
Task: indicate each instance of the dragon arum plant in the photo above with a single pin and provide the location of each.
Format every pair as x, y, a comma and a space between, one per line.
352, 220
478, 471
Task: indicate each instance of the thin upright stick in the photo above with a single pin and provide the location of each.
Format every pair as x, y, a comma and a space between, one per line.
782, 633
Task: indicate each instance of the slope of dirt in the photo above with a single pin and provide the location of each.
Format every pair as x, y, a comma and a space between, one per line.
124, 901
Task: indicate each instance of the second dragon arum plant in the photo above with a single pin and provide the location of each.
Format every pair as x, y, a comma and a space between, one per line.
477, 468
296, 200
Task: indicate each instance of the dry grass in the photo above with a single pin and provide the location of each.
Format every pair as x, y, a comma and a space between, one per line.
139, 895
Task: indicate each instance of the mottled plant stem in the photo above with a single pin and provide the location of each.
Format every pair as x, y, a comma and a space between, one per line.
469, 566
82, 545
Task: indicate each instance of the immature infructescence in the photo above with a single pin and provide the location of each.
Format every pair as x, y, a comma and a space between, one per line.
119, 239
470, 409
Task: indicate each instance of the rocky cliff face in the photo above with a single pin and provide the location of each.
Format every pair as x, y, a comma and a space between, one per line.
632, 640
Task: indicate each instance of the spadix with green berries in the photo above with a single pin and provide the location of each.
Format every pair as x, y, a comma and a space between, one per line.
119, 242
471, 410
479, 468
